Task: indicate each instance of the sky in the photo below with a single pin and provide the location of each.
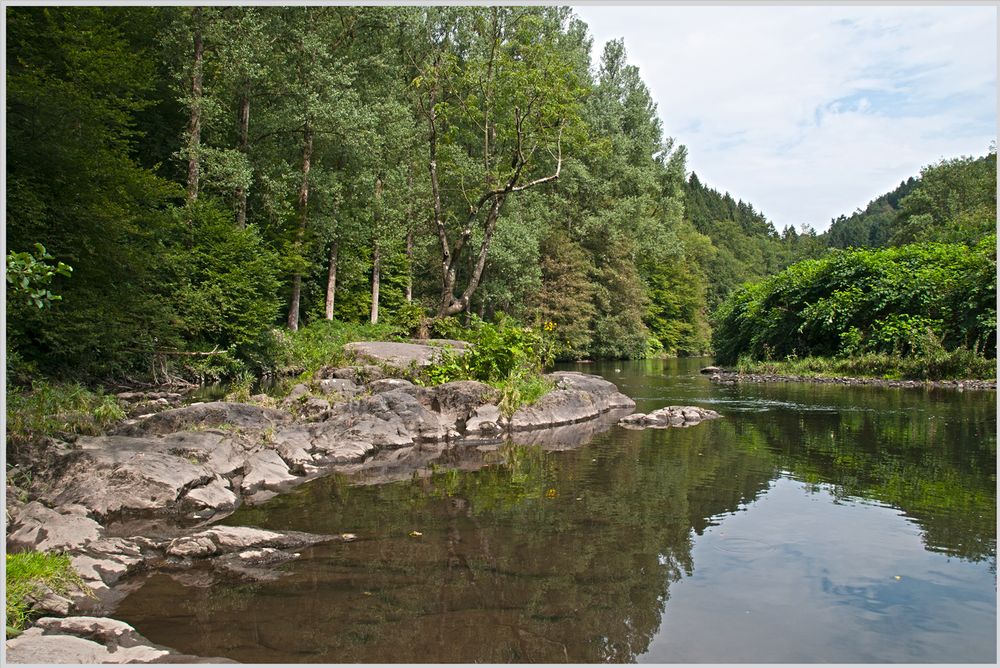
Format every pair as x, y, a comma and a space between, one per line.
811, 112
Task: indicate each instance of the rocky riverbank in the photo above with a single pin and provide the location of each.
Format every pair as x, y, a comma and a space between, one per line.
140, 498
734, 378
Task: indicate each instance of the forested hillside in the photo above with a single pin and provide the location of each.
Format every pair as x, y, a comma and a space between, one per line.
215, 176
953, 201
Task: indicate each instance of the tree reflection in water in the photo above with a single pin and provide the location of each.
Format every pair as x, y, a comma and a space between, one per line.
528, 555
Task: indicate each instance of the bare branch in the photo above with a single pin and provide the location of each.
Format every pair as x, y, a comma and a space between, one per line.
551, 177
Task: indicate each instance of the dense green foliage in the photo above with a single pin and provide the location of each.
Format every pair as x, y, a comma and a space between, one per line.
741, 243
32, 572
213, 173
917, 299
909, 289
509, 357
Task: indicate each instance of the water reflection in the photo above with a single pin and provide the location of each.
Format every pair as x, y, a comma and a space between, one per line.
801, 506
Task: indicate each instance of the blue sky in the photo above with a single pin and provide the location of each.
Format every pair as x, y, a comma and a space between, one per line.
810, 112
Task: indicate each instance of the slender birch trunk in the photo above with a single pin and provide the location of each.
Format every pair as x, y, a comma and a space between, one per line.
303, 207
331, 280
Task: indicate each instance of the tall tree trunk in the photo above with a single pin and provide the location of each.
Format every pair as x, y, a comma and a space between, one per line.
300, 233
331, 280
409, 266
241, 191
376, 254
194, 121
409, 237
376, 268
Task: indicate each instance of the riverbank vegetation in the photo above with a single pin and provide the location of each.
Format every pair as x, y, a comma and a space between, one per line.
197, 193
923, 307
32, 574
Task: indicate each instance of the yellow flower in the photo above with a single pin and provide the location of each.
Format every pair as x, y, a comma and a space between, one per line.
551, 493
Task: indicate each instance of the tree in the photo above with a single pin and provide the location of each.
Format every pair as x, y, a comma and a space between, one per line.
497, 97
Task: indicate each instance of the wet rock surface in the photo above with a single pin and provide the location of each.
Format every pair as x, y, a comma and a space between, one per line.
668, 416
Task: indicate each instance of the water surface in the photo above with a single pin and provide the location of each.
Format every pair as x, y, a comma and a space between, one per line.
813, 523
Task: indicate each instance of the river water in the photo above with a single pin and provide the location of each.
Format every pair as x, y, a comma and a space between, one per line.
812, 523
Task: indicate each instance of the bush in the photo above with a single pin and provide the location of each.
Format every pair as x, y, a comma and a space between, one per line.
506, 356
960, 364
321, 343
922, 299
498, 353
225, 277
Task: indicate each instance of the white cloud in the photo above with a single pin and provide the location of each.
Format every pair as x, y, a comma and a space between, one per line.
810, 112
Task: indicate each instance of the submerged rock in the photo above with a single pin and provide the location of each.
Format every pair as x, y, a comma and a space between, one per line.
226, 539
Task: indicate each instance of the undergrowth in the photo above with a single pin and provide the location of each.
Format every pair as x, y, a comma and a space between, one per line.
52, 409
504, 355
29, 573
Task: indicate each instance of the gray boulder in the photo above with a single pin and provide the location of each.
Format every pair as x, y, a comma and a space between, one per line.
668, 416
340, 387
401, 356
457, 401
266, 469
577, 397
386, 384
44, 530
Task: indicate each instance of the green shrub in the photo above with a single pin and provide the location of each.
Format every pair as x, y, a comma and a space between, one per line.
498, 353
504, 355
959, 364
923, 300
321, 343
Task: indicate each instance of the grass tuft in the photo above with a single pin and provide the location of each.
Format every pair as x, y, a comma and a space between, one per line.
30, 573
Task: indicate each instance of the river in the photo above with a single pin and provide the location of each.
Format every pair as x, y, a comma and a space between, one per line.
812, 523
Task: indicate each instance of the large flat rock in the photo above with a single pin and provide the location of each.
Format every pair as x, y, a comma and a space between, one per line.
398, 355
576, 397
212, 414
90, 640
